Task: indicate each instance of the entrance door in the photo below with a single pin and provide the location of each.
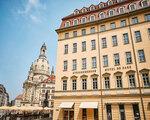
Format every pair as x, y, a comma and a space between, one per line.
68, 115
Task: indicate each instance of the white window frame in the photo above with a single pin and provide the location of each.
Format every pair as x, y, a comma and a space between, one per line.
144, 1
123, 10
67, 24
131, 5
82, 20
110, 13
102, 14
76, 21
91, 18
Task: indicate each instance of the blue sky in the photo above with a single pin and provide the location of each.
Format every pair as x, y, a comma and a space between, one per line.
24, 26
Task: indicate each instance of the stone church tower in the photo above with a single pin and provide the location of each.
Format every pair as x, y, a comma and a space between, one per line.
40, 83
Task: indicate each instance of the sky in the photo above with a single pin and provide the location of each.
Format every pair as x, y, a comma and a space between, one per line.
24, 26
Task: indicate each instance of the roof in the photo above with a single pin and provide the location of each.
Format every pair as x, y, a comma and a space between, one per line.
19, 97
49, 79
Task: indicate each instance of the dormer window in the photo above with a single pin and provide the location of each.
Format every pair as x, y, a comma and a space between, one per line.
67, 24
111, 13
84, 10
92, 8
132, 7
119, 1
75, 22
102, 15
92, 18
121, 10
101, 5
110, 2
144, 3
76, 11
83, 20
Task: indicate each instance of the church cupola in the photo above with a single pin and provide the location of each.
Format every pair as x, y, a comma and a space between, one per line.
43, 51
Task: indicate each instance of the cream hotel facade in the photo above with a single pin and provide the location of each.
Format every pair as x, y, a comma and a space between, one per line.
103, 62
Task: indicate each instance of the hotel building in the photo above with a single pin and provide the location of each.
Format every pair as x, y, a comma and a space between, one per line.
103, 62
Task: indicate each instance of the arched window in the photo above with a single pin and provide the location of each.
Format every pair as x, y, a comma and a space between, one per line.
132, 7
144, 3
110, 2
67, 24
120, 1
111, 13
84, 10
76, 11
83, 20
75, 22
121, 10
101, 5
145, 77
92, 7
102, 15
92, 18
106, 77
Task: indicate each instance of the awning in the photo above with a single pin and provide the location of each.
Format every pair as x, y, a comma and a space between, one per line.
88, 105
66, 105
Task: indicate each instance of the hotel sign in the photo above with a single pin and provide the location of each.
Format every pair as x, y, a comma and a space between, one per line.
80, 72
118, 68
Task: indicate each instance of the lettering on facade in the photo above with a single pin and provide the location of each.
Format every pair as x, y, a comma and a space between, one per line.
118, 68
80, 72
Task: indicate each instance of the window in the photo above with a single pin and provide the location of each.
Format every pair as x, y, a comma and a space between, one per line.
83, 46
119, 81
138, 36
147, 17
42, 67
121, 10
136, 111
75, 22
107, 83
110, 2
112, 25
66, 35
105, 60
84, 84
74, 47
74, 84
74, 33
125, 38
93, 45
111, 13
64, 84
135, 20
76, 11
74, 64
95, 83
102, 28
43, 91
84, 114
92, 8
92, 30
101, 5
132, 7
83, 20
128, 58
65, 65
66, 49
109, 113
123, 23
114, 40
84, 10
83, 63
132, 80
122, 112
94, 64
144, 3
67, 24
104, 43
145, 78
92, 18
141, 55
149, 32
83, 31
95, 114
101, 15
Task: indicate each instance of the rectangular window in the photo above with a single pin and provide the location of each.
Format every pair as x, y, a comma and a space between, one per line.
107, 83
147, 17
128, 58
64, 85
74, 64
132, 81
102, 28
146, 80
112, 25
66, 49
135, 20
65, 65
74, 33
83, 31
116, 59
119, 81
125, 38
83, 63
74, 84
105, 60
66, 35
122, 112
84, 84
93, 44
92, 30
114, 40
123, 23
138, 36
84, 114
74, 47
94, 63
136, 112
149, 32
95, 114
109, 113
95, 83
141, 55
104, 43
83, 46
